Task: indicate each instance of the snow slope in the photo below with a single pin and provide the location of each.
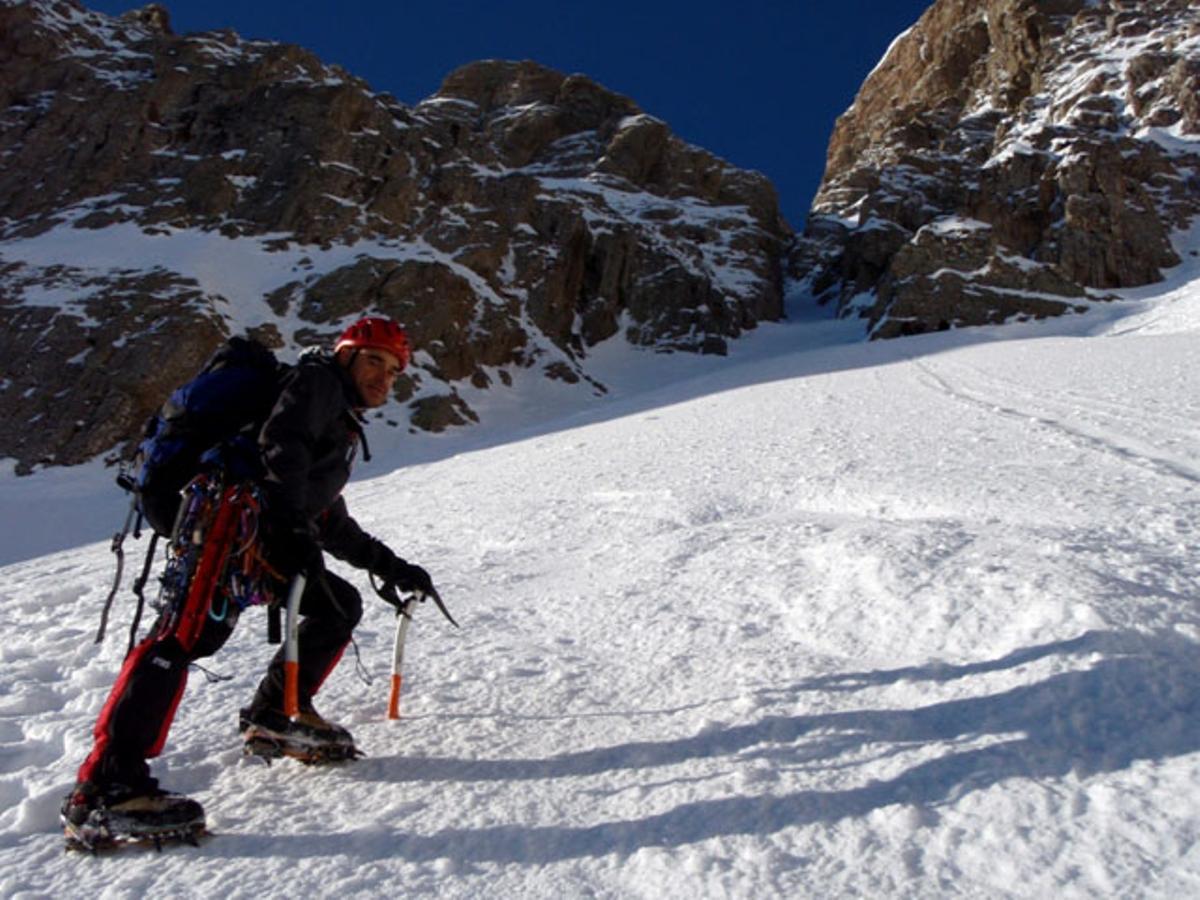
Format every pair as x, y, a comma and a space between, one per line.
907, 619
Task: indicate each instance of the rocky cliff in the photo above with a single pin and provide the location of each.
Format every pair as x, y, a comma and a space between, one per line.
159, 191
1006, 159
1010, 158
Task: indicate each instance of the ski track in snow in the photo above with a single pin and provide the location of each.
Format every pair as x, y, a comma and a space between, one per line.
916, 620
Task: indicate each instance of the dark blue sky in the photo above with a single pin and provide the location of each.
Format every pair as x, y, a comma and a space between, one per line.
758, 82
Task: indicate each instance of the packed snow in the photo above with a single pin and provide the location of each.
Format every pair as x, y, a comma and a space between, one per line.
825, 618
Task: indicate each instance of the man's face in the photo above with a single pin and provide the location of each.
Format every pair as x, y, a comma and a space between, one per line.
374, 373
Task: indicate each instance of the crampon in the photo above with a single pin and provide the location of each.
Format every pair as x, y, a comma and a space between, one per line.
106, 831
265, 745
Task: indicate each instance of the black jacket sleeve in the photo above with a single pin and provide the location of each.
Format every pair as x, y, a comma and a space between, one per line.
345, 539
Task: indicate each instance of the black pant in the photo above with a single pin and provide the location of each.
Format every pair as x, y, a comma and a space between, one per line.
329, 617
134, 722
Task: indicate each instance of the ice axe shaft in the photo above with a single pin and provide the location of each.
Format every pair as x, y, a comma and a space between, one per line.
404, 610
403, 618
291, 650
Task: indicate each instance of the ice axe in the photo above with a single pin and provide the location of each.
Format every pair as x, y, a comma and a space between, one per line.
403, 617
404, 610
291, 650
291, 640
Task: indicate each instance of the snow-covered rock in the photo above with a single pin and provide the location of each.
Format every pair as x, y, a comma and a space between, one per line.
1069, 130
512, 221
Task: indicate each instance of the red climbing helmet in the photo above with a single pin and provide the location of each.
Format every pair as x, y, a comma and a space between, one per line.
379, 333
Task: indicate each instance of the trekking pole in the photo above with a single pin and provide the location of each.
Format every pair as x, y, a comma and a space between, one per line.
403, 617
291, 650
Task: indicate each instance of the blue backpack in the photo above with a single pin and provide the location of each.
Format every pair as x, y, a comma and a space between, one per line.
210, 420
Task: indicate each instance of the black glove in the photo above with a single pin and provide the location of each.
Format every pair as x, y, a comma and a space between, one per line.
391, 569
397, 574
295, 550
410, 579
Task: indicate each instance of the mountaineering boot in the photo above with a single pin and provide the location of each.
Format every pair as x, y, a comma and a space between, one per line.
308, 737
96, 817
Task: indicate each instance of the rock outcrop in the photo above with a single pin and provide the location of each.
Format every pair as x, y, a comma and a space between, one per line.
1006, 159
160, 191
1011, 158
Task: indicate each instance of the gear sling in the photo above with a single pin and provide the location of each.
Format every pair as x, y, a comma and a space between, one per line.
213, 571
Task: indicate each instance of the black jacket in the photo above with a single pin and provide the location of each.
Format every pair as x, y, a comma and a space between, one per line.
308, 444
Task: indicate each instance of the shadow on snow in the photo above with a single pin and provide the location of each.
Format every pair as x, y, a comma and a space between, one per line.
1137, 701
